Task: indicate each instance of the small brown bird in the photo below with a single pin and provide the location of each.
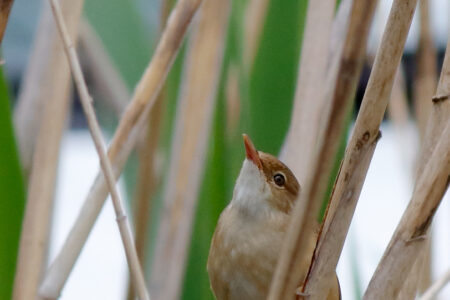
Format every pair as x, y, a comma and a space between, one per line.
250, 231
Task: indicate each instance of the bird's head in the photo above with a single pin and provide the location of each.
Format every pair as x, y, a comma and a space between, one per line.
264, 183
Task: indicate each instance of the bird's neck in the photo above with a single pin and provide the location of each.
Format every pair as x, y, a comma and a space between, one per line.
251, 192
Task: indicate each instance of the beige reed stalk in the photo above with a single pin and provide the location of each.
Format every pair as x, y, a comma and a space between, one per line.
5, 8
436, 287
398, 113
86, 101
411, 233
107, 80
188, 155
46, 80
148, 177
123, 142
50, 92
255, 16
424, 87
410, 236
360, 148
426, 76
345, 67
309, 98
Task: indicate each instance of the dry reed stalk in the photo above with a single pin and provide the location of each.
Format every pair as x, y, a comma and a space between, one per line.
233, 100
398, 113
53, 97
124, 140
86, 102
47, 78
147, 177
411, 233
436, 287
426, 80
439, 113
345, 67
418, 216
255, 15
309, 101
398, 110
188, 155
5, 8
360, 149
107, 79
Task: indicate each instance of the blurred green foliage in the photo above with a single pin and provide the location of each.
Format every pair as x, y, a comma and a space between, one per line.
12, 193
274, 74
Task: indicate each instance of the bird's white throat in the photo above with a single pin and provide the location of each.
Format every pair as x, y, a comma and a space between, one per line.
251, 191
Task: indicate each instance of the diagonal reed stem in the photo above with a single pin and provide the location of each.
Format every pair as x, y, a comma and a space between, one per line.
86, 101
41, 116
123, 142
345, 68
360, 148
189, 147
410, 237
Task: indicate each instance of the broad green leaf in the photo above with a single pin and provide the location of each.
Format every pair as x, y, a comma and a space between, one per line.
12, 193
274, 75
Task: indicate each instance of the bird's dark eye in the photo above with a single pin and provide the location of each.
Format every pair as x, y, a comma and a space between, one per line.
279, 179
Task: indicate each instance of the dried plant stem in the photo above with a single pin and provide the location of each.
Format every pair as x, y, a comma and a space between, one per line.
432, 181
344, 72
426, 81
399, 115
306, 119
5, 8
436, 287
255, 15
47, 79
360, 148
193, 122
411, 233
439, 114
147, 178
124, 140
53, 99
107, 78
398, 105
94, 128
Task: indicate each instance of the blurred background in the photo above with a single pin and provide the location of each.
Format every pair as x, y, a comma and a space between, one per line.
255, 94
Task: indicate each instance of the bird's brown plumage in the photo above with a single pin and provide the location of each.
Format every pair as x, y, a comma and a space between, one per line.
250, 231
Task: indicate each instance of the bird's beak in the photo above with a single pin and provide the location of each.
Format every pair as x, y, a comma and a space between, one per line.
250, 151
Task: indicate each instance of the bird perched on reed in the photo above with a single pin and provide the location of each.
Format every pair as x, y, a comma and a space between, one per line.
250, 231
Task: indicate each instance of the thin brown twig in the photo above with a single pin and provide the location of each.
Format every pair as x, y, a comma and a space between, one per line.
345, 68
188, 155
124, 140
360, 148
94, 128
49, 68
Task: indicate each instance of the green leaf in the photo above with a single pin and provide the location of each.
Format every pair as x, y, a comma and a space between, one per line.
123, 34
274, 75
12, 195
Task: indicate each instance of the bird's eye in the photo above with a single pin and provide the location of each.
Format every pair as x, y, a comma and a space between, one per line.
279, 179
